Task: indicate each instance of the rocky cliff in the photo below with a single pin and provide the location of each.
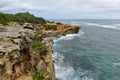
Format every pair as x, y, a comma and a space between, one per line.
24, 54
54, 29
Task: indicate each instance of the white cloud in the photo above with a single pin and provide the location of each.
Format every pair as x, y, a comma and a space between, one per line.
92, 6
13, 6
61, 7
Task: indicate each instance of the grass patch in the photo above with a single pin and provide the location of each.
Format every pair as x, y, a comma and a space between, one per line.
38, 44
41, 76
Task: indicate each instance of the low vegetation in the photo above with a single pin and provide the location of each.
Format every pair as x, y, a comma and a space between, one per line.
3, 19
38, 44
20, 17
50, 27
41, 76
59, 23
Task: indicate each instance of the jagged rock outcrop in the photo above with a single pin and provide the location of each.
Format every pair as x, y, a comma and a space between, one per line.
18, 59
54, 29
23, 53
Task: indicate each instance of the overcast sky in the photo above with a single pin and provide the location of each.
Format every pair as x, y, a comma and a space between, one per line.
65, 9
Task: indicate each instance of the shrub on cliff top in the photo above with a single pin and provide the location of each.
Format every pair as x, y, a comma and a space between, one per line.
27, 17
20, 17
59, 23
3, 19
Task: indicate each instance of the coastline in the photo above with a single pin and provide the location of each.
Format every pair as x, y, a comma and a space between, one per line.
21, 60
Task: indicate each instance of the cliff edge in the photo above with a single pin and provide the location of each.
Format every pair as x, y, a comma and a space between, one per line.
24, 55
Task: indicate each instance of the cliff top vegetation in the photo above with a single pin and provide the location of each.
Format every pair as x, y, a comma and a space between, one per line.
20, 17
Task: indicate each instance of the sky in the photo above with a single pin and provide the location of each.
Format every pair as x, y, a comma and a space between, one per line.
64, 9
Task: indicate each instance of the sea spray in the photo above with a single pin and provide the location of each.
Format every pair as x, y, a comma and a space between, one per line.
63, 70
69, 36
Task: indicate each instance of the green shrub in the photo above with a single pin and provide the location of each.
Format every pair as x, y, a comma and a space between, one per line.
37, 44
41, 75
59, 23
3, 19
21, 17
50, 27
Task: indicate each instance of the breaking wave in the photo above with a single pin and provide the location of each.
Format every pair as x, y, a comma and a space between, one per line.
113, 26
63, 70
91, 56
69, 36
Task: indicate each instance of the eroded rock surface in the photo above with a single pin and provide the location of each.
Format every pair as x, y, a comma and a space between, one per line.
19, 60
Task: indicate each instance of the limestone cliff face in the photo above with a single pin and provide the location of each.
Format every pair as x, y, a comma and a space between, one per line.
19, 59
55, 29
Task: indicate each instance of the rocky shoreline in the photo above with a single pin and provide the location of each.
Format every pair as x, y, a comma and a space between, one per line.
23, 52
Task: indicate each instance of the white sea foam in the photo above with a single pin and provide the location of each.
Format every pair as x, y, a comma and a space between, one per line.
69, 36
62, 69
116, 64
118, 25
76, 23
113, 26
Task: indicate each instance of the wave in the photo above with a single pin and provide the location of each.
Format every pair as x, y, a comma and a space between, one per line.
118, 25
63, 70
69, 36
116, 64
113, 26
76, 23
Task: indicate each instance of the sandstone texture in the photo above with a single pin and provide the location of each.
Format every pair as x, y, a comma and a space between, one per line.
59, 29
18, 59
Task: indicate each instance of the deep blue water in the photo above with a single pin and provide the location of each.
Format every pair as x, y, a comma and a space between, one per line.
92, 54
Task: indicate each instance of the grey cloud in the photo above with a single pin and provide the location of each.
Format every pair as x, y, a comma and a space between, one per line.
61, 7
83, 6
13, 6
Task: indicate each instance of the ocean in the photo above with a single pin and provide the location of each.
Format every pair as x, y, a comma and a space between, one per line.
91, 54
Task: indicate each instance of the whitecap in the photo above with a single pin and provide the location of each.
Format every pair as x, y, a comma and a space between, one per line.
116, 64
117, 25
63, 70
108, 26
70, 36
94, 24
76, 23
104, 26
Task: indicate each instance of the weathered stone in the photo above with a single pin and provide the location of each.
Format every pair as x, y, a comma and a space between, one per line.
17, 41
28, 27
39, 67
27, 77
18, 59
2, 29
60, 30
1, 62
14, 36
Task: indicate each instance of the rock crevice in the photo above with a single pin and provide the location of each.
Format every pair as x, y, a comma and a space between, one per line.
19, 60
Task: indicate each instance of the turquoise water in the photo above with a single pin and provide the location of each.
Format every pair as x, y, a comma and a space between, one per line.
92, 54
